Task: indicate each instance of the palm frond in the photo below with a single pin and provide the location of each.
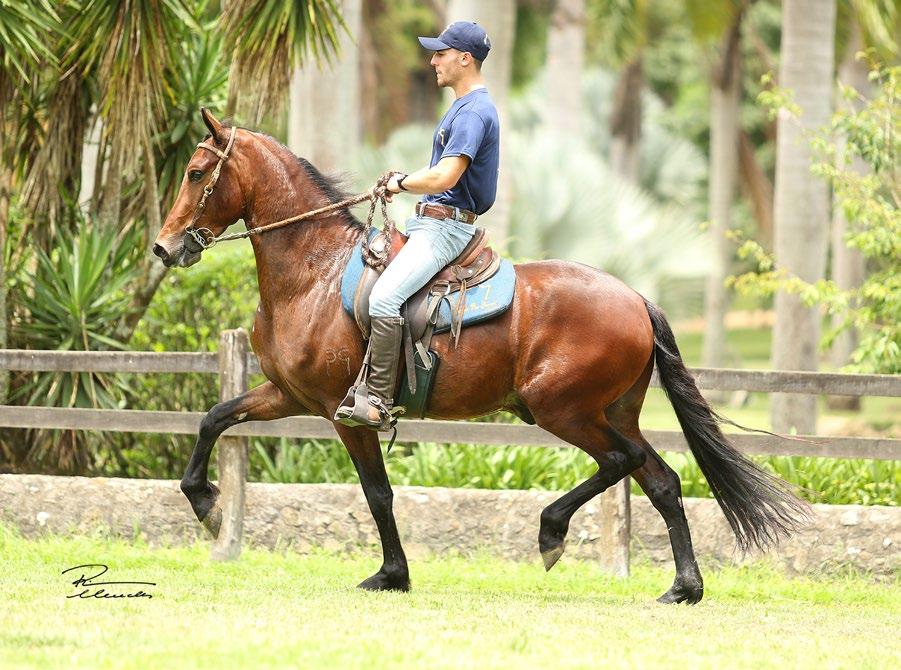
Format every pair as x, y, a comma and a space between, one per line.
141, 37
26, 29
267, 40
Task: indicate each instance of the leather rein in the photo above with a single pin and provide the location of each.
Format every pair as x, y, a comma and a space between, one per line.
197, 240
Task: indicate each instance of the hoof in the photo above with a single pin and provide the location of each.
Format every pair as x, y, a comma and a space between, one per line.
213, 520
382, 581
207, 509
551, 538
551, 556
683, 593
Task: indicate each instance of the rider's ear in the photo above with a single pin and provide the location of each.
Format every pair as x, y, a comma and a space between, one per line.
212, 123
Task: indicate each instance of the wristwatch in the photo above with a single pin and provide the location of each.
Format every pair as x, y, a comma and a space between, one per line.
400, 182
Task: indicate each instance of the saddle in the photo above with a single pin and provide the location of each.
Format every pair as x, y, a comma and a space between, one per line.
478, 273
476, 263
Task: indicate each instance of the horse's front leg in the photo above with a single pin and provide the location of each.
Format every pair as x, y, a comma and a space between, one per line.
363, 446
263, 403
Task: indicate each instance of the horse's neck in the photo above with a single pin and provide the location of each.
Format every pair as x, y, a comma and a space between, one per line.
303, 259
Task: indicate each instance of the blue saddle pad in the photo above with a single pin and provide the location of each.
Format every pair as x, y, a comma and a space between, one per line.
489, 299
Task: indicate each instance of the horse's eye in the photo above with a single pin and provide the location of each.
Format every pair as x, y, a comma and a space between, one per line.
195, 175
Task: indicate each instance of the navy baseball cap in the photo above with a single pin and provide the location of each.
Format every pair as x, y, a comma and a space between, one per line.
462, 36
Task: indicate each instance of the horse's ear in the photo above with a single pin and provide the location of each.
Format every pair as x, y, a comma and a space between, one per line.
212, 123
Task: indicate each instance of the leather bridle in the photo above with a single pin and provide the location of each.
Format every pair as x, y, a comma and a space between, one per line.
198, 239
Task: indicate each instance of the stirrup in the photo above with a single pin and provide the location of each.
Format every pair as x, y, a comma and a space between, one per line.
354, 410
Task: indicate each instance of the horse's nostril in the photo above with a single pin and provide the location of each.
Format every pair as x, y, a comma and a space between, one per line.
159, 251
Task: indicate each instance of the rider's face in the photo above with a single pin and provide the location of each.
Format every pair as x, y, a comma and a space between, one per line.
449, 65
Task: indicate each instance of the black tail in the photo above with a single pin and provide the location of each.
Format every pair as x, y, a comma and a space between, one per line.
759, 507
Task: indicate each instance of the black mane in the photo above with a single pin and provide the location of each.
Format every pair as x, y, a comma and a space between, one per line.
330, 185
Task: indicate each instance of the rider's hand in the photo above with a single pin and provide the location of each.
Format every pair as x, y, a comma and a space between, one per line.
392, 186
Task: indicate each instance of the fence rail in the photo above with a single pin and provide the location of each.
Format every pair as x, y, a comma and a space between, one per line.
454, 432
713, 379
234, 363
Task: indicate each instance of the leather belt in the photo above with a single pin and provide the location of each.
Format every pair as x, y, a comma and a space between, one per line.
445, 212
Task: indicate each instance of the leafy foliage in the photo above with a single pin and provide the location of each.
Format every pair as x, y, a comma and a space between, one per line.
822, 480
266, 40
198, 79
71, 298
24, 25
141, 38
870, 201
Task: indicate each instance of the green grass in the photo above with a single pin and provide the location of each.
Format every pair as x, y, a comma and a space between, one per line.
277, 609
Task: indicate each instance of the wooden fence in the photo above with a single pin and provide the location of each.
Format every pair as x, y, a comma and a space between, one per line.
234, 363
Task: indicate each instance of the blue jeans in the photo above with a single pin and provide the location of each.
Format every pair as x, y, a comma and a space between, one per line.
433, 244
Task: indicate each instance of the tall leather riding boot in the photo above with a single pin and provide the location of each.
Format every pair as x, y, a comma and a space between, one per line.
386, 334
385, 338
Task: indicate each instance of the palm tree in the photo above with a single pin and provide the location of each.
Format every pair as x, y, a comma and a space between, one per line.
131, 90
725, 125
627, 24
563, 73
324, 120
265, 41
802, 199
24, 27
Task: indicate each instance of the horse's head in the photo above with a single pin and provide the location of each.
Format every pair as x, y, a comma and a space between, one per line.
209, 201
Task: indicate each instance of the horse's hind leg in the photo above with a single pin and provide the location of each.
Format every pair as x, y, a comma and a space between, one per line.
263, 403
616, 457
662, 486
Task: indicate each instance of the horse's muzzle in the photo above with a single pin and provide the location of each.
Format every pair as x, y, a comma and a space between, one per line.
181, 258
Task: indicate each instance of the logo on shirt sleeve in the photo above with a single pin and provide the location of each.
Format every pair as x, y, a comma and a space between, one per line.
441, 136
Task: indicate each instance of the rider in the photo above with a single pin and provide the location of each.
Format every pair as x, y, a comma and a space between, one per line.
459, 184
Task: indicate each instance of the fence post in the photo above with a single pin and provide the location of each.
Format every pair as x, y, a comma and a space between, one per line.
616, 529
232, 457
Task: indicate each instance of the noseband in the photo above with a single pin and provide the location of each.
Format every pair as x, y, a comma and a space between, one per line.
198, 239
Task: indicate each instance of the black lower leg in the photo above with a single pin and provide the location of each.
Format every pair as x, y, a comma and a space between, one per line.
662, 486
195, 484
555, 518
394, 574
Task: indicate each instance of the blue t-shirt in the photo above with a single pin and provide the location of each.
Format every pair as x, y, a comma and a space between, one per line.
470, 128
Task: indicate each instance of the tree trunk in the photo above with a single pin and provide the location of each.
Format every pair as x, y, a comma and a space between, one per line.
153, 270
625, 121
324, 116
757, 188
90, 158
847, 263
563, 73
111, 199
802, 199
725, 123
6, 177
5, 187
498, 18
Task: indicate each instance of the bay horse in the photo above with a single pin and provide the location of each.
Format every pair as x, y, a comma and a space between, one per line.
574, 354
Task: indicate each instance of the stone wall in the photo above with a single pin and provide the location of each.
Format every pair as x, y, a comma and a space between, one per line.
431, 521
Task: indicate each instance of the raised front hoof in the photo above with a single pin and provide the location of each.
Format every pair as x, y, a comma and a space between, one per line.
551, 556
683, 593
383, 581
